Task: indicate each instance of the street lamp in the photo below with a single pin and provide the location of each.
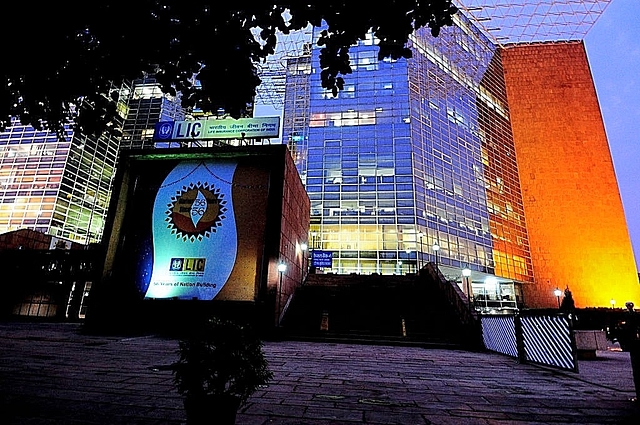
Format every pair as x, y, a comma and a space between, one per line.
408, 252
420, 235
557, 292
466, 275
282, 267
400, 267
613, 303
304, 248
436, 248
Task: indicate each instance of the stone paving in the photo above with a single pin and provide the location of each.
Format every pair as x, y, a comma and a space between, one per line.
53, 374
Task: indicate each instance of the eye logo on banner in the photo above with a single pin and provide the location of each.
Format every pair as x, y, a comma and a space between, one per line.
195, 211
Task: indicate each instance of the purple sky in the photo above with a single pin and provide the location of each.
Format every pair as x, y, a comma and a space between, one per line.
613, 48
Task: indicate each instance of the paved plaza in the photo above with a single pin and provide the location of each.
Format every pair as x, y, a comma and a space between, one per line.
53, 374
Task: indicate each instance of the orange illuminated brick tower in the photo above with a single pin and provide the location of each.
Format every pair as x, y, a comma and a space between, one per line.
575, 219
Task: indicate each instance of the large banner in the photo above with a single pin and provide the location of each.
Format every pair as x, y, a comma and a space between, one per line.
194, 232
194, 229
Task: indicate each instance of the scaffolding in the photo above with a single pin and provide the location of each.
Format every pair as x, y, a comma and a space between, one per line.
272, 72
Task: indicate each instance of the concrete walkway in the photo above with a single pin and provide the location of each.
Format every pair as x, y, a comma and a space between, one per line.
52, 374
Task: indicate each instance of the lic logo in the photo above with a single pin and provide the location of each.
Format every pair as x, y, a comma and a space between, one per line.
176, 264
164, 130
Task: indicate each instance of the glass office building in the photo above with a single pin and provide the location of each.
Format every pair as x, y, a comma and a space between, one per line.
411, 154
59, 186
475, 154
62, 186
146, 106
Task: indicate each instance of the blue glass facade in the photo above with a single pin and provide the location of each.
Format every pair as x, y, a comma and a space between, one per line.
411, 154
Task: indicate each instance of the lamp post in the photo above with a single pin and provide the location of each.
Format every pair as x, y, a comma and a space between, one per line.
408, 252
400, 267
466, 275
557, 292
282, 267
304, 248
419, 259
613, 303
436, 248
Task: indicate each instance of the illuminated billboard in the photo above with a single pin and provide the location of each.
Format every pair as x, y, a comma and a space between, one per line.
194, 228
198, 231
194, 233
228, 128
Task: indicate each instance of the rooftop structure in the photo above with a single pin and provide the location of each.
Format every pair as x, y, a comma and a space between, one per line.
525, 21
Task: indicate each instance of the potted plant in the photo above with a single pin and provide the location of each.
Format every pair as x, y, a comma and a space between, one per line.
220, 365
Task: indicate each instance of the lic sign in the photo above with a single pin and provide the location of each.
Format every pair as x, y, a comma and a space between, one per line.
227, 128
168, 130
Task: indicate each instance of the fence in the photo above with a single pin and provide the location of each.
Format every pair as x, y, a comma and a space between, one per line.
537, 337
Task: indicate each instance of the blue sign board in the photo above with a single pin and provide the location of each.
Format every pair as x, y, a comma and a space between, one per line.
163, 130
322, 258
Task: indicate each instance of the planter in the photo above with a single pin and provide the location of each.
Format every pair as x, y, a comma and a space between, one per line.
211, 409
219, 366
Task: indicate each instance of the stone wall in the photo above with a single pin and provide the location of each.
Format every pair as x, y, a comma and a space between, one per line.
575, 219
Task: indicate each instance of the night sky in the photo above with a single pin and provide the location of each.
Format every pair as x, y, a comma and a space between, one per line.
613, 48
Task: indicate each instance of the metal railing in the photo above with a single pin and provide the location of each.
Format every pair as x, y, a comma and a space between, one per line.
540, 337
469, 318
499, 334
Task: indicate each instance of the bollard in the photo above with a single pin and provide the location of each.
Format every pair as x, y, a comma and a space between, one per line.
324, 322
634, 354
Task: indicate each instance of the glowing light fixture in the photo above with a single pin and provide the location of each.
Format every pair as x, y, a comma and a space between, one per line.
436, 248
282, 267
557, 292
420, 236
466, 276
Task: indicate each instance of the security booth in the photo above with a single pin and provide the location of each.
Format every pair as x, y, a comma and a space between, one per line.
201, 231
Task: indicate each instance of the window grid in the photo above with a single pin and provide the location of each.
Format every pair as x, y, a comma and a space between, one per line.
434, 157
